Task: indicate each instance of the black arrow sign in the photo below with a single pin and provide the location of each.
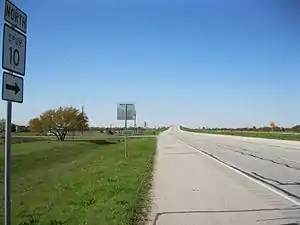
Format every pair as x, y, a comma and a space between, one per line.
14, 88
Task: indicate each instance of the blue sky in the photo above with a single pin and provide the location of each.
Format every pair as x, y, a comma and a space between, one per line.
182, 62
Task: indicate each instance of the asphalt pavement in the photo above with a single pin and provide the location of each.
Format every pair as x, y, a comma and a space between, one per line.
217, 179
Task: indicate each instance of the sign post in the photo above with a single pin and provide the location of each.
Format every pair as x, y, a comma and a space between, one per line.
126, 155
126, 112
7, 179
135, 125
13, 60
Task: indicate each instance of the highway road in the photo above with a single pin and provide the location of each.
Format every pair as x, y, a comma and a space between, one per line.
217, 179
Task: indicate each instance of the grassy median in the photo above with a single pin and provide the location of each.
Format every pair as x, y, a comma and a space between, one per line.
79, 182
269, 135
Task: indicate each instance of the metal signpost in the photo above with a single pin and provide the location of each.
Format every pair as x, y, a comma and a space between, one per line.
135, 125
126, 112
13, 60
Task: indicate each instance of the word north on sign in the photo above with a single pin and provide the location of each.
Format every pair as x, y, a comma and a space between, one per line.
12, 88
14, 16
14, 50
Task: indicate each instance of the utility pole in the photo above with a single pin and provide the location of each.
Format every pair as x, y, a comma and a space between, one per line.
135, 124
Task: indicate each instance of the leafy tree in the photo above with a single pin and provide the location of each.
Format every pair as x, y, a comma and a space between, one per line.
277, 129
35, 125
2, 127
288, 129
13, 127
296, 128
109, 131
272, 125
59, 121
82, 122
265, 129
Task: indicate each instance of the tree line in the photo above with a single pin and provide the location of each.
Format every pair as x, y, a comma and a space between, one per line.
63, 120
115, 129
294, 129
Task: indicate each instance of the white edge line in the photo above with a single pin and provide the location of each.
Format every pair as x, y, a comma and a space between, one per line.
250, 178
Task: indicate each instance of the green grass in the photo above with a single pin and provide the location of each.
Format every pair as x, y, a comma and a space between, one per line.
19, 139
17, 134
269, 135
79, 182
87, 135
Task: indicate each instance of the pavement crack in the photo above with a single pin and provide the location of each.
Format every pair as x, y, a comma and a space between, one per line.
261, 158
276, 181
181, 153
159, 214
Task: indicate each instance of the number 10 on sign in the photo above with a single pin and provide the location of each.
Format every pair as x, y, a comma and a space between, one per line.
14, 50
14, 56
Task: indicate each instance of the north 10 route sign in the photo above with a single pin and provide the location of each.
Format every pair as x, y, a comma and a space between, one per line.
14, 50
14, 16
12, 88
